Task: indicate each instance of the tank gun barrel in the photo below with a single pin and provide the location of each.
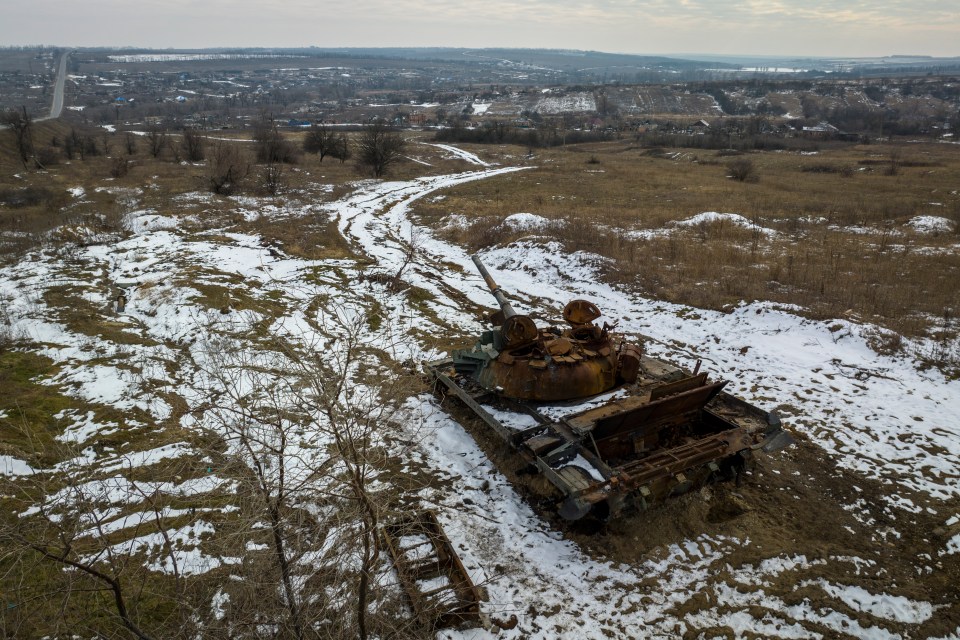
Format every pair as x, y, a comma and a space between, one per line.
494, 288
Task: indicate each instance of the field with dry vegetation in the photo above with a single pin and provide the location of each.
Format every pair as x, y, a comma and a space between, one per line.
172, 335
868, 232
848, 231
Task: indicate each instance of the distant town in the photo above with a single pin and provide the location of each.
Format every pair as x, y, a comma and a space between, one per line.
491, 90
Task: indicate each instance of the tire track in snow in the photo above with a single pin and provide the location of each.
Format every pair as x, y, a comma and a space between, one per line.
460, 153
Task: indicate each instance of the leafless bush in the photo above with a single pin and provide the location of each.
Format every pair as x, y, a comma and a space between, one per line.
578, 234
272, 147
895, 161
119, 167
227, 169
7, 335
48, 157
25, 197
271, 179
742, 170
824, 167
156, 141
192, 145
884, 341
320, 139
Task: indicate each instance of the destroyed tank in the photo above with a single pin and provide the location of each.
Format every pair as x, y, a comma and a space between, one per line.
609, 428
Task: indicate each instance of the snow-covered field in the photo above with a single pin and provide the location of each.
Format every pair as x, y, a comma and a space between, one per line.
574, 102
872, 420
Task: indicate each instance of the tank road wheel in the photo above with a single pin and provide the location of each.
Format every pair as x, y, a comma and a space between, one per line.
733, 467
574, 507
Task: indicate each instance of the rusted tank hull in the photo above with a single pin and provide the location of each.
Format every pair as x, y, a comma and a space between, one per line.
664, 431
669, 433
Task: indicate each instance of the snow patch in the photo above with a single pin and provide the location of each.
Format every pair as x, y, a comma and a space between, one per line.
525, 222
931, 224
708, 217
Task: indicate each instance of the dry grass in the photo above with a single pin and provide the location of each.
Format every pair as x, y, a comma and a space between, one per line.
35, 202
840, 246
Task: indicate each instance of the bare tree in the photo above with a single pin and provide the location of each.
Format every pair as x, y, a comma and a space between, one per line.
71, 145
82, 145
321, 140
271, 146
378, 148
130, 143
355, 415
63, 548
341, 148
307, 424
193, 145
250, 406
227, 169
19, 121
299, 433
156, 140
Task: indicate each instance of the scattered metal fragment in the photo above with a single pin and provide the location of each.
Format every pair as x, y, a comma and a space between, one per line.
434, 579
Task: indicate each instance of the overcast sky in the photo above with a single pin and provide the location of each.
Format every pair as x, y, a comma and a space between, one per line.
763, 27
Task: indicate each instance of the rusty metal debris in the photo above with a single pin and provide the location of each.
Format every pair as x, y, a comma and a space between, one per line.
433, 578
659, 431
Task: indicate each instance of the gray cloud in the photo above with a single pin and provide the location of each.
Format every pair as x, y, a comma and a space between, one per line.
788, 27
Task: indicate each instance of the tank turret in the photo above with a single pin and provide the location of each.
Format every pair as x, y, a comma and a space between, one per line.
516, 359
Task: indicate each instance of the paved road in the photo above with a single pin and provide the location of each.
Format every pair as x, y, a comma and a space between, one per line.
57, 107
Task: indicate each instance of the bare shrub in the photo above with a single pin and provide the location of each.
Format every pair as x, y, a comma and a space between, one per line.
271, 146
884, 341
119, 167
320, 139
479, 234
378, 148
578, 234
192, 145
894, 163
25, 197
47, 157
742, 170
156, 141
822, 167
271, 179
227, 169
